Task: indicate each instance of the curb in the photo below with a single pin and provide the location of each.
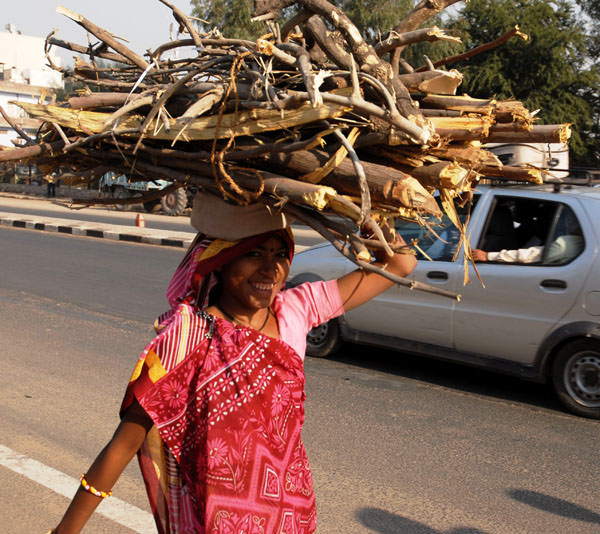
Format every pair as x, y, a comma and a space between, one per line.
120, 233
85, 230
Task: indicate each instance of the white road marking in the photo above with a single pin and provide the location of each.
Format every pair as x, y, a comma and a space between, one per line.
114, 509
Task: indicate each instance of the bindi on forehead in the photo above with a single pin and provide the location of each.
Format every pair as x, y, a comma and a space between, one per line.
274, 248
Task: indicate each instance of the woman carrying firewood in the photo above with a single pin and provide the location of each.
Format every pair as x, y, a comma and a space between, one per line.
214, 408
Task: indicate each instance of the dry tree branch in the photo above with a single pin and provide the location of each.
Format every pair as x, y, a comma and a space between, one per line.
184, 22
393, 40
479, 49
16, 127
104, 36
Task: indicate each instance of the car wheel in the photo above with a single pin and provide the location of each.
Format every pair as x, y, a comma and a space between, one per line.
175, 202
576, 377
323, 340
120, 192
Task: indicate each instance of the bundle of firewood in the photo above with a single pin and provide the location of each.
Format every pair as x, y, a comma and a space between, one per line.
310, 118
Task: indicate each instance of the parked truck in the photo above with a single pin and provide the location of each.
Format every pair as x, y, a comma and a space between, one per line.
119, 186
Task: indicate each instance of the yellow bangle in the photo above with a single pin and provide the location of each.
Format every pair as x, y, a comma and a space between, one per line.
91, 489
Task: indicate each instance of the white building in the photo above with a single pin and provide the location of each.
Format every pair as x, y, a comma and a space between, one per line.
24, 77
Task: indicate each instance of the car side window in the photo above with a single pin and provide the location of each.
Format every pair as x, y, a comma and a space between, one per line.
566, 240
531, 232
438, 243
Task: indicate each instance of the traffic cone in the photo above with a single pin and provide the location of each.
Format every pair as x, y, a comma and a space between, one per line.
139, 220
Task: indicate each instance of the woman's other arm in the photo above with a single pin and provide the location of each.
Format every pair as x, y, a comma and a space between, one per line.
107, 468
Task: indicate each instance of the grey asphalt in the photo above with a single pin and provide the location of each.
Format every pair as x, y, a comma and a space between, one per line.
396, 444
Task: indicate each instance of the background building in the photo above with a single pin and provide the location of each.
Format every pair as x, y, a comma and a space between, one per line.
24, 77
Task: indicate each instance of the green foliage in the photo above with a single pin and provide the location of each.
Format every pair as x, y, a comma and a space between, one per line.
231, 17
551, 71
375, 17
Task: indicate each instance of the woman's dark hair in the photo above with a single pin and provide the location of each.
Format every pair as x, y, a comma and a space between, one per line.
215, 293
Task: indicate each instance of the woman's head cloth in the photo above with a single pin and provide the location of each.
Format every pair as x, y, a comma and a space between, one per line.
225, 232
214, 217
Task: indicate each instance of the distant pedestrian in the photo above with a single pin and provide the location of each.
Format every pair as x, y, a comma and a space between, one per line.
50, 185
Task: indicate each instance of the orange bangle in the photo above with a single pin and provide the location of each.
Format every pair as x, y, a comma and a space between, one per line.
91, 489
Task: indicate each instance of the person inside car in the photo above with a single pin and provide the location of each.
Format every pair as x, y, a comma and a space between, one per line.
563, 248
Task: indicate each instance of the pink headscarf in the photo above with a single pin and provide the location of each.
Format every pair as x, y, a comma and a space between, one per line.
194, 277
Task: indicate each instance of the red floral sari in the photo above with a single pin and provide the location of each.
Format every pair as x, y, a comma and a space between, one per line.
225, 455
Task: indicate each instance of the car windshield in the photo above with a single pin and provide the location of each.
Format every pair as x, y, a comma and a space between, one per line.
440, 247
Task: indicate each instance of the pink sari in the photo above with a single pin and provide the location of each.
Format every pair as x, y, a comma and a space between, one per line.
225, 455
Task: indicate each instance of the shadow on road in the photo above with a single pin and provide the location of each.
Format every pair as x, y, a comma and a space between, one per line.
384, 522
450, 375
554, 506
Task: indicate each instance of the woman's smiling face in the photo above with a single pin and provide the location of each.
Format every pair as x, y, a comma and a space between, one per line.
252, 281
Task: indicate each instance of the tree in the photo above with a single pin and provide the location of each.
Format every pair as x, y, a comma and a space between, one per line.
375, 17
591, 8
551, 71
230, 17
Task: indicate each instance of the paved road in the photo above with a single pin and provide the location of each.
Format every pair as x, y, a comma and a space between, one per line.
397, 445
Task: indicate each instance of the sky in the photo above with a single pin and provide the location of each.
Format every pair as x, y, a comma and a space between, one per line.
144, 23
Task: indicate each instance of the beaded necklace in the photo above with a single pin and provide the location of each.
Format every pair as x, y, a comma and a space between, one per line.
237, 321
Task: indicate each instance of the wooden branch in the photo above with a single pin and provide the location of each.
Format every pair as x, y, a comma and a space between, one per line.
28, 152
299, 18
462, 128
367, 58
479, 49
328, 42
385, 184
202, 128
97, 100
319, 227
184, 22
104, 36
442, 175
88, 50
365, 196
441, 82
15, 126
551, 133
393, 40
421, 13
463, 103
522, 174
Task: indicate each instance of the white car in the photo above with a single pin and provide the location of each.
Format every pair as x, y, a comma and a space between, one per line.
538, 320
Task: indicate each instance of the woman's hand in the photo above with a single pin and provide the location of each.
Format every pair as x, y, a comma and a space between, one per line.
360, 286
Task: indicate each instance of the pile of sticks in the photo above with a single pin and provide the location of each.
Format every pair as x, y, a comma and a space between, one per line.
309, 118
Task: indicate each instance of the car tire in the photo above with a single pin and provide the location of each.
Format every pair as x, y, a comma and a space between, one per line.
576, 377
324, 340
175, 202
120, 192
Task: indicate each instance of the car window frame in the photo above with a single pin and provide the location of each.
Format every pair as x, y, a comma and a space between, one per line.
560, 205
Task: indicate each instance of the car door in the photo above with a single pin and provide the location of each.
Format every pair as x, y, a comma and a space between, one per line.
512, 314
412, 314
